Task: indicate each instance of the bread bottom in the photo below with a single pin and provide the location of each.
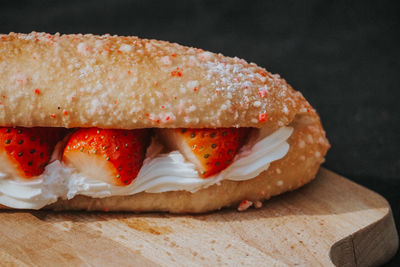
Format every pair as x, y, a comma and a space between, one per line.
308, 146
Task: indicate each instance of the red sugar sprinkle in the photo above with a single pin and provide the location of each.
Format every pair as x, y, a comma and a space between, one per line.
173, 55
167, 118
65, 113
195, 89
115, 102
176, 73
162, 106
4, 97
262, 73
119, 51
129, 72
262, 117
262, 93
37, 91
53, 116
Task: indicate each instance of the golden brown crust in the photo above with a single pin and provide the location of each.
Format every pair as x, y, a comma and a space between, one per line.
308, 146
127, 82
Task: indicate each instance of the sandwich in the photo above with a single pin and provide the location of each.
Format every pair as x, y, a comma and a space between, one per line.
113, 123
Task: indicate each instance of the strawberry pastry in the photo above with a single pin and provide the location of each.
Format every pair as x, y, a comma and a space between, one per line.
126, 124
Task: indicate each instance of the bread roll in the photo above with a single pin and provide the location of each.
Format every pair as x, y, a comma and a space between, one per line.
130, 83
127, 83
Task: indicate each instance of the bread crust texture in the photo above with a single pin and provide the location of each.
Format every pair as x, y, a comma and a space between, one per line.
129, 83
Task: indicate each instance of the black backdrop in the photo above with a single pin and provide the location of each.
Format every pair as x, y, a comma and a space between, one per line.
343, 55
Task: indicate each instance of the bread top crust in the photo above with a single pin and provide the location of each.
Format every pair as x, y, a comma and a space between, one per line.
127, 83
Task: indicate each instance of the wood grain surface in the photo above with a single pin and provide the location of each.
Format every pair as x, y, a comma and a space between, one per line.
331, 221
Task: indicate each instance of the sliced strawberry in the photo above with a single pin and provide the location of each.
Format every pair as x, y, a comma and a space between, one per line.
26, 151
114, 156
211, 150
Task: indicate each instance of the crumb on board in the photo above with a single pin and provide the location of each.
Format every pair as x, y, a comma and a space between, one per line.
244, 205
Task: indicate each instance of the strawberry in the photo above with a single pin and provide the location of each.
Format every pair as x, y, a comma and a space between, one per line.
211, 150
26, 151
114, 156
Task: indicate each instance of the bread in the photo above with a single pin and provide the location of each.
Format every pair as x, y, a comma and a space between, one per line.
130, 83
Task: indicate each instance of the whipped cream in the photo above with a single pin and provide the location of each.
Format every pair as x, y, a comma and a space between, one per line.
160, 172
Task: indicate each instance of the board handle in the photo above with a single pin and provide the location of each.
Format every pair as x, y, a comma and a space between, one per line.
373, 245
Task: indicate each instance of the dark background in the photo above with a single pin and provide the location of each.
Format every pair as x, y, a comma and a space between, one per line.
342, 55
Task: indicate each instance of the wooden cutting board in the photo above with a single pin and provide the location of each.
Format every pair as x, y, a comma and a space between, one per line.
330, 221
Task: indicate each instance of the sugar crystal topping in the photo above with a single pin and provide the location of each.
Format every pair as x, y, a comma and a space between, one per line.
129, 82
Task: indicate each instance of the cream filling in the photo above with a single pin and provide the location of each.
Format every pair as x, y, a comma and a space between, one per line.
159, 173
